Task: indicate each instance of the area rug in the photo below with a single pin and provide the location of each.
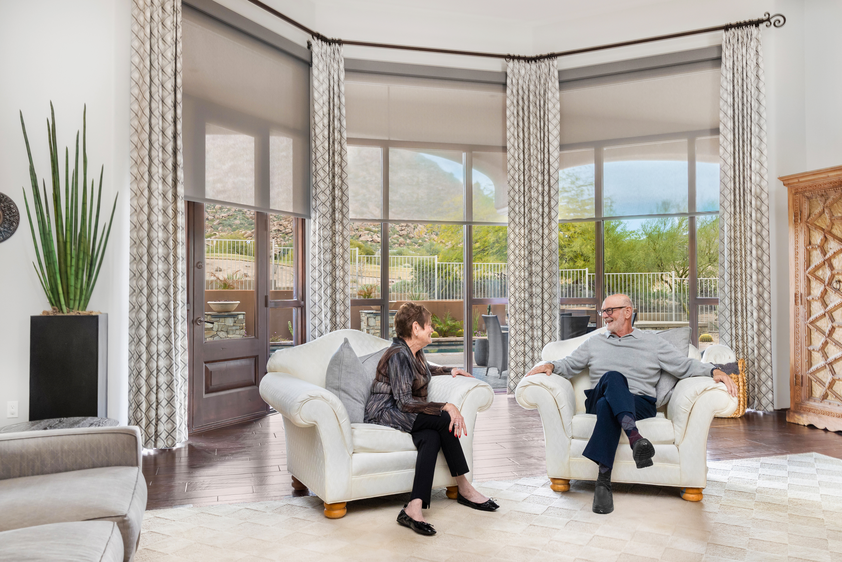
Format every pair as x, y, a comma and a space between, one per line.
770, 509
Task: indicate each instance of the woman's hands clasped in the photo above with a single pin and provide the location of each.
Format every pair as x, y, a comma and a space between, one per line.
457, 422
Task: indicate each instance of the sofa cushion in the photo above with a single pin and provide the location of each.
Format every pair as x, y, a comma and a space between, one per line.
373, 438
88, 541
350, 377
116, 493
680, 339
658, 430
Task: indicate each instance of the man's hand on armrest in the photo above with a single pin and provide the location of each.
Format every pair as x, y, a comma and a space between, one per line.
543, 368
720, 376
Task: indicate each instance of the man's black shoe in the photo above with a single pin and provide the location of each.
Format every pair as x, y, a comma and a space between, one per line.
420, 527
643, 451
487, 505
603, 498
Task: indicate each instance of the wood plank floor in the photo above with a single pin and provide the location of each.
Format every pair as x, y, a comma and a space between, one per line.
247, 462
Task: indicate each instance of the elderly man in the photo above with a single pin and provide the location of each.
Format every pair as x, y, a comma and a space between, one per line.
624, 367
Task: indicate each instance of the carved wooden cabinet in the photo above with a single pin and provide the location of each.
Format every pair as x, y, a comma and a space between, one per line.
815, 257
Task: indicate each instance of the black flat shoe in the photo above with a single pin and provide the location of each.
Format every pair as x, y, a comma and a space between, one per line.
487, 505
603, 497
420, 527
643, 451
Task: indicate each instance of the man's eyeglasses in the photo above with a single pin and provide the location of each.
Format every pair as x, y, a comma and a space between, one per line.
610, 311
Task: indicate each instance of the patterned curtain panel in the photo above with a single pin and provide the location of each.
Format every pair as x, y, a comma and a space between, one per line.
157, 278
532, 137
744, 253
330, 269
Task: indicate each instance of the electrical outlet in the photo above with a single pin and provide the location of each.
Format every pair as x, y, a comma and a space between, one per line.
12, 409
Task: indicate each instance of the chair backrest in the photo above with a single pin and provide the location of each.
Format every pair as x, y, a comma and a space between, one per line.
495, 340
571, 326
309, 361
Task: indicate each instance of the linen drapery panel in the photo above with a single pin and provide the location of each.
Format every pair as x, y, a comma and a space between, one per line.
532, 135
744, 252
157, 276
330, 267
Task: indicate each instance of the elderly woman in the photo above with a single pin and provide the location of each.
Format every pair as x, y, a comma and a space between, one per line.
399, 400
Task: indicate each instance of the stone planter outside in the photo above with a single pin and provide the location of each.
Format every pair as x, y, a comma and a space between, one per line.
481, 351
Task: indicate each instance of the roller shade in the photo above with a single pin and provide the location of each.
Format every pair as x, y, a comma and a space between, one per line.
246, 120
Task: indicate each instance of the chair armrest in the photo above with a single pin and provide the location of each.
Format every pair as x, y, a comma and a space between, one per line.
306, 404
32, 453
685, 399
562, 397
456, 390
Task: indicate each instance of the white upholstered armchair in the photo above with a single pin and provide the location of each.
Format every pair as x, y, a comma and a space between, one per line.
340, 461
679, 432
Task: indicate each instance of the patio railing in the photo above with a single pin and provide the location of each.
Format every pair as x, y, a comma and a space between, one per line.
230, 264
658, 296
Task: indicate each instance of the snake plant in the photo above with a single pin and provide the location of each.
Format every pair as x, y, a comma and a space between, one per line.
72, 246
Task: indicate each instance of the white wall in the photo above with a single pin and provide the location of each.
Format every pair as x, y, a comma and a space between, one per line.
72, 53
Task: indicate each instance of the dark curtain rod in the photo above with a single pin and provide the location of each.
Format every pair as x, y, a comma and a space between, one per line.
777, 20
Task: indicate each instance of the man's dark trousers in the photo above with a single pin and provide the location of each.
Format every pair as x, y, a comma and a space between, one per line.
608, 399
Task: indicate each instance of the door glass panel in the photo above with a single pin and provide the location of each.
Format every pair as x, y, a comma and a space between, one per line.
281, 257
281, 327
229, 165
230, 288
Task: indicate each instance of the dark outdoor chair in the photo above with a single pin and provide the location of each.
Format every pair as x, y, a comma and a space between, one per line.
498, 344
571, 326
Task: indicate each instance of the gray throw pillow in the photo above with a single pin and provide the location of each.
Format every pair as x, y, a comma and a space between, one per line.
350, 377
680, 339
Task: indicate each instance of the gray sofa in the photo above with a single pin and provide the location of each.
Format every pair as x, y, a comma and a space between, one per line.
71, 494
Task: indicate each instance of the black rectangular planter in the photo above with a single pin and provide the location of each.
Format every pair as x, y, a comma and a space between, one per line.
68, 366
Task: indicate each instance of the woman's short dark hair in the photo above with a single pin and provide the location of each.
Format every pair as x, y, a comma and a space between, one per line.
408, 313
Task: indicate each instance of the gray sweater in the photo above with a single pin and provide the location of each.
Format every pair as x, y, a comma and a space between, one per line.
640, 356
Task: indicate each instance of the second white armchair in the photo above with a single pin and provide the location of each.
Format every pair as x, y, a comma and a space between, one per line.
679, 432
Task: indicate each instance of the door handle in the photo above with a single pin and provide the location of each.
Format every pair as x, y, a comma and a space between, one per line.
201, 321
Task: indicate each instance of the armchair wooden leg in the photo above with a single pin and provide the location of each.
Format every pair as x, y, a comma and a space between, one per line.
335, 510
560, 484
691, 494
297, 485
451, 492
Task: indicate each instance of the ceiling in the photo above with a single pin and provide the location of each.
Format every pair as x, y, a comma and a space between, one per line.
531, 12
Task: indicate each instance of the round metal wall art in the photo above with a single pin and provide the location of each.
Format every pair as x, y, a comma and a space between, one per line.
9, 217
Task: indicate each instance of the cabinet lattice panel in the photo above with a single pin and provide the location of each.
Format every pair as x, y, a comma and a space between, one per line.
823, 297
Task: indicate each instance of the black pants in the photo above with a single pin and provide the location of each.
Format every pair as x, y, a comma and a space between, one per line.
429, 433
608, 399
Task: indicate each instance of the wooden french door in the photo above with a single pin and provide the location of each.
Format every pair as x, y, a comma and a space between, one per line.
228, 348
